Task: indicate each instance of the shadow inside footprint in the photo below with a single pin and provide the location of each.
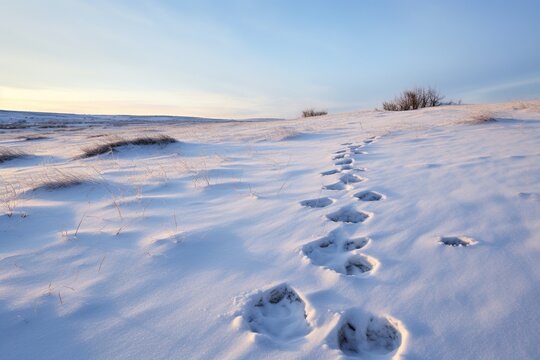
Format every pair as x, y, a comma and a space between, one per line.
348, 215
317, 203
358, 264
355, 244
351, 179
457, 240
278, 312
336, 186
358, 152
361, 334
330, 172
334, 242
369, 195
344, 162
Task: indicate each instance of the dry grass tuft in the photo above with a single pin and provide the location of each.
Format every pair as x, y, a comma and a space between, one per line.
481, 118
62, 180
33, 137
110, 146
7, 154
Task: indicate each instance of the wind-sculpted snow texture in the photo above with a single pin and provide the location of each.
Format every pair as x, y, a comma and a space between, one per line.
370, 235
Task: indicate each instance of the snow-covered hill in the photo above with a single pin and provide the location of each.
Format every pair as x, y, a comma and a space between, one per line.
371, 234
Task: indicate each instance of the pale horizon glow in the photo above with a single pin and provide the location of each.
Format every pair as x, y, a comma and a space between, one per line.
240, 59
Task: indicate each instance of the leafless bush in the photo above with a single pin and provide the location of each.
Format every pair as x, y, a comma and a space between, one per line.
9, 196
110, 146
313, 112
413, 99
7, 154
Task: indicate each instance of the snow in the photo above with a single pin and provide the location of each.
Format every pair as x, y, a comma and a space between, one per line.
305, 238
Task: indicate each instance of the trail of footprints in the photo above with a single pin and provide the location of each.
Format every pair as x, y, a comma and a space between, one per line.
280, 312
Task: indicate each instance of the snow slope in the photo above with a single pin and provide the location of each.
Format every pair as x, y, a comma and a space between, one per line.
293, 239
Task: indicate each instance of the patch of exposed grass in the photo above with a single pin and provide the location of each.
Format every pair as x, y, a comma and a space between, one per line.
111, 146
481, 118
62, 180
7, 154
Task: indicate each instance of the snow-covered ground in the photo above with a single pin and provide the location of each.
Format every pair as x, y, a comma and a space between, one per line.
241, 241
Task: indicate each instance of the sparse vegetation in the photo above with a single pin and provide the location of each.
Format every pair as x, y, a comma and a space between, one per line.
313, 112
110, 146
62, 180
481, 118
7, 154
33, 137
413, 99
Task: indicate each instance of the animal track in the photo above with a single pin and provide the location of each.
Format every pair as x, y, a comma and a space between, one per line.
346, 167
351, 179
344, 162
336, 252
317, 203
348, 215
457, 240
330, 172
362, 334
358, 264
369, 195
335, 186
359, 152
339, 156
278, 312
334, 242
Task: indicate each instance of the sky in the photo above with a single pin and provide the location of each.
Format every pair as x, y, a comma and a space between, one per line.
261, 58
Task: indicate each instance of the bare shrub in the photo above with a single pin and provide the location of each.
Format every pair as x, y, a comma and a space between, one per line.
9, 197
110, 146
7, 154
312, 112
413, 99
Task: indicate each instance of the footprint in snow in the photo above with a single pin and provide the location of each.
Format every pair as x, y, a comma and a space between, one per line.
346, 167
347, 161
369, 195
348, 215
340, 151
457, 241
340, 254
362, 334
369, 140
317, 203
330, 172
359, 152
339, 156
279, 313
335, 186
351, 179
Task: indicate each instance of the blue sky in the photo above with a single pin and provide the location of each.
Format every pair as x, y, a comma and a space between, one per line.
261, 58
